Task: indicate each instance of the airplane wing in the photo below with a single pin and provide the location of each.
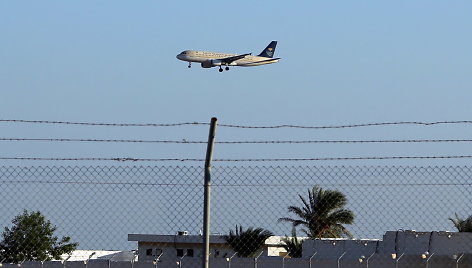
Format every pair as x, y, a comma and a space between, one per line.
229, 60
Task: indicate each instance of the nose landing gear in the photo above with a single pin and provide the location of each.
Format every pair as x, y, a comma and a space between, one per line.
189, 64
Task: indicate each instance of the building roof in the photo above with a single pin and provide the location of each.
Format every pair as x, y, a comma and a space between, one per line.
191, 239
84, 255
184, 239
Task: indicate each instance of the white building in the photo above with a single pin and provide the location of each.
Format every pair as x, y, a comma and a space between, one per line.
165, 247
86, 255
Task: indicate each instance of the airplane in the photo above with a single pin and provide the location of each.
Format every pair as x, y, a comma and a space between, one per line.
213, 59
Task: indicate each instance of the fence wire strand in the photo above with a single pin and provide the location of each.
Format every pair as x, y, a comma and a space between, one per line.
184, 141
308, 159
419, 123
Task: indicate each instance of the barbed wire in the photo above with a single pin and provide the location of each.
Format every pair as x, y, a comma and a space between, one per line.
131, 159
231, 185
103, 124
118, 159
98, 183
342, 158
184, 141
351, 125
346, 141
234, 125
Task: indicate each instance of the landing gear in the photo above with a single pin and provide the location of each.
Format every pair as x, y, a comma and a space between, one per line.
189, 64
221, 69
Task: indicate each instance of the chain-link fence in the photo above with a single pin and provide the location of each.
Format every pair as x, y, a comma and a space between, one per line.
112, 210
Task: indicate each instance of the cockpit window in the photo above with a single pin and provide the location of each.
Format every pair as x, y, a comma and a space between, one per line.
184, 52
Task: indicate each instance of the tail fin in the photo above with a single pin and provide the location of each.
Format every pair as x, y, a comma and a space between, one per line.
269, 51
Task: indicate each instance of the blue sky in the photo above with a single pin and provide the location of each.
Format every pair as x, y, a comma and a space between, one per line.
342, 62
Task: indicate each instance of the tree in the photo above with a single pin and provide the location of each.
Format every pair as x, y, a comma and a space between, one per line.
322, 214
247, 242
461, 224
292, 245
31, 238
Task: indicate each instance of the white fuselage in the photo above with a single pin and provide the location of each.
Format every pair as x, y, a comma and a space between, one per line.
202, 56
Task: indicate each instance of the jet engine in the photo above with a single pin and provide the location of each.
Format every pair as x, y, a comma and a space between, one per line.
211, 63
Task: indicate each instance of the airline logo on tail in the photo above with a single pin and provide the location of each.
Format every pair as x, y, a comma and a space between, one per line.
268, 52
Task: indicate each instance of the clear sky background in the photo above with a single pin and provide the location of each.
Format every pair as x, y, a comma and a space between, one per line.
342, 62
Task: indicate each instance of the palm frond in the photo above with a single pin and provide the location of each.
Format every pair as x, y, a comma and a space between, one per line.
292, 245
322, 214
247, 242
462, 225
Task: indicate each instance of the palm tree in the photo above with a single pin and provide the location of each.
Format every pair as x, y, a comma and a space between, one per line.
461, 224
322, 214
247, 242
292, 245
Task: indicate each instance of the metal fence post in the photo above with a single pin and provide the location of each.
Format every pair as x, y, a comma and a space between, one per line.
255, 259
283, 260
376, 250
427, 260
457, 261
88, 259
229, 259
180, 260
339, 259
65, 261
312, 258
207, 195
368, 259
396, 264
